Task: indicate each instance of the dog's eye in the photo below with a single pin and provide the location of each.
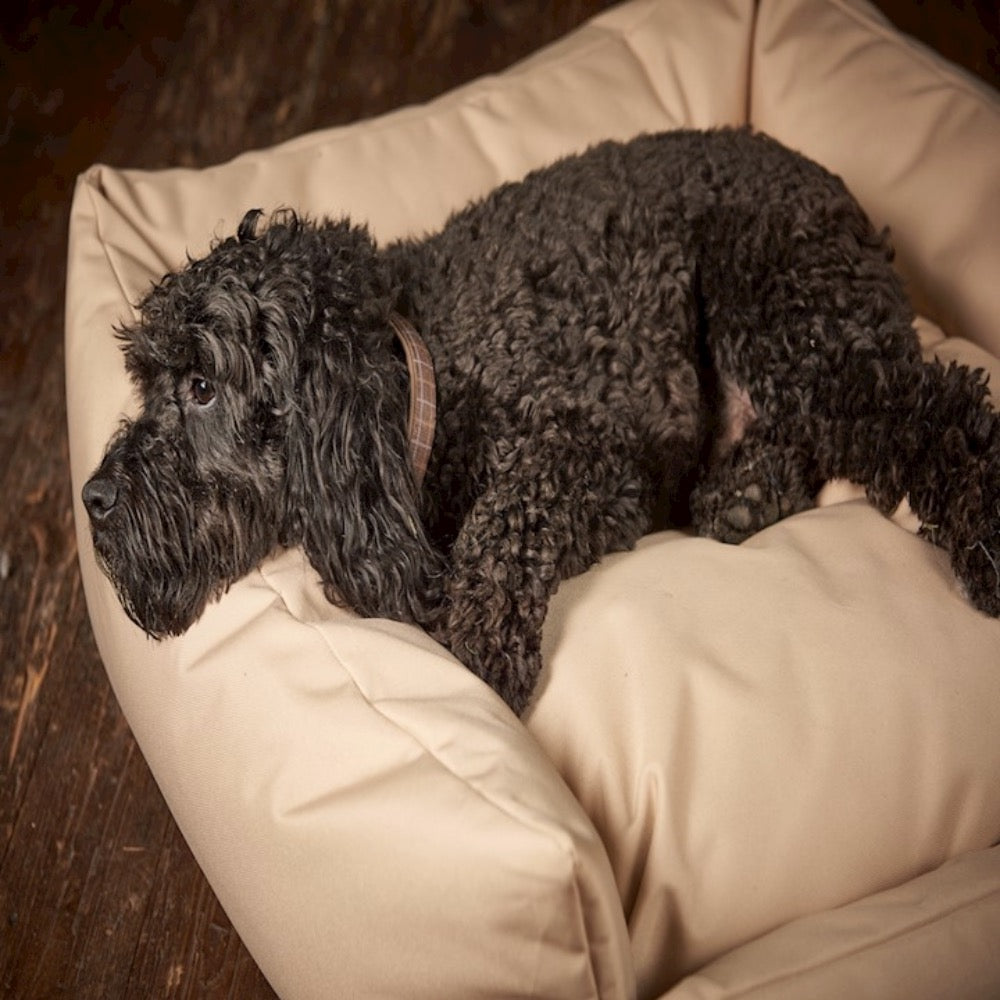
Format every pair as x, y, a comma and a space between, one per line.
202, 391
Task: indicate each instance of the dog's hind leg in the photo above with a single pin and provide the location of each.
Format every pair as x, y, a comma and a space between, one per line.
927, 432
556, 499
816, 330
854, 394
906, 429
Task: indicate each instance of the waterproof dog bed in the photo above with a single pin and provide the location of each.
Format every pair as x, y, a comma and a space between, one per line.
760, 770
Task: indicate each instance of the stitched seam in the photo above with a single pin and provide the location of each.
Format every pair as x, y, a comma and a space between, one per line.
105, 243
901, 40
866, 946
492, 802
91, 190
748, 110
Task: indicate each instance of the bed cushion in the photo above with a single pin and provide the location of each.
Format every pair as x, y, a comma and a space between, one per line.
771, 730
726, 738
932, 937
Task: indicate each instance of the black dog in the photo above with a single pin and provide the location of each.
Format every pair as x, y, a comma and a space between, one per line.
699, 324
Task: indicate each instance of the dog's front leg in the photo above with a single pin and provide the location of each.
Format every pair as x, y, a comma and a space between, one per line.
552, 506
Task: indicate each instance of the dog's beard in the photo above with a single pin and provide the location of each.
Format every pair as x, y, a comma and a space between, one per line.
155, 571
159, 611
174, 544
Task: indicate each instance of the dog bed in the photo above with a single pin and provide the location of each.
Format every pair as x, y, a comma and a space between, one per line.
762, 770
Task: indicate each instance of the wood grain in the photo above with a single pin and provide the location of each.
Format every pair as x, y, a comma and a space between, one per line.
99, 895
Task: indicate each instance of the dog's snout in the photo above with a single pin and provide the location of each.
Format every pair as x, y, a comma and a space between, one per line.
100, 497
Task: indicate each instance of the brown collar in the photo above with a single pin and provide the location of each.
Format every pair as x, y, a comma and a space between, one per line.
423, 395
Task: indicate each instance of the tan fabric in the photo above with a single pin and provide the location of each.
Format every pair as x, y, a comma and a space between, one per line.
766, 731
728, 738
932, 938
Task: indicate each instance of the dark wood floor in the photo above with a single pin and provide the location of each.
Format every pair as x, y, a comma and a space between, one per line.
99, 895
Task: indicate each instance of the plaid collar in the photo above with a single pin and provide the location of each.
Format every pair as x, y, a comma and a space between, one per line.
423, 395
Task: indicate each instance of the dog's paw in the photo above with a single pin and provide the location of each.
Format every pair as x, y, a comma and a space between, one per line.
498, 645
756, 484
506, 666
735, 517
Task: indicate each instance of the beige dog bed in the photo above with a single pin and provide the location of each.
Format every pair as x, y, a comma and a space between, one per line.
759, 771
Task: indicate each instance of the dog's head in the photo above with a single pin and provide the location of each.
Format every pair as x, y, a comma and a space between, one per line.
273, 413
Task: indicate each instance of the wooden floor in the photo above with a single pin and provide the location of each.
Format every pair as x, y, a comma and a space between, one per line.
99, 895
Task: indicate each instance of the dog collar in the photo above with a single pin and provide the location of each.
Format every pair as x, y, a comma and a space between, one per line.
423, 395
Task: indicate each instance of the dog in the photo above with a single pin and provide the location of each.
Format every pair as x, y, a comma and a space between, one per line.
687, 328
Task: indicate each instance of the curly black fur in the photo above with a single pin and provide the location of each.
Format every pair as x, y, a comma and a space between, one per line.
703, 324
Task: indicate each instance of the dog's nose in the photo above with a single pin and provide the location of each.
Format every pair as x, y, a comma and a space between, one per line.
99, 497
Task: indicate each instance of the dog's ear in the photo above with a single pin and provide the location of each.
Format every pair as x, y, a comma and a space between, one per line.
352, 500
246, 231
